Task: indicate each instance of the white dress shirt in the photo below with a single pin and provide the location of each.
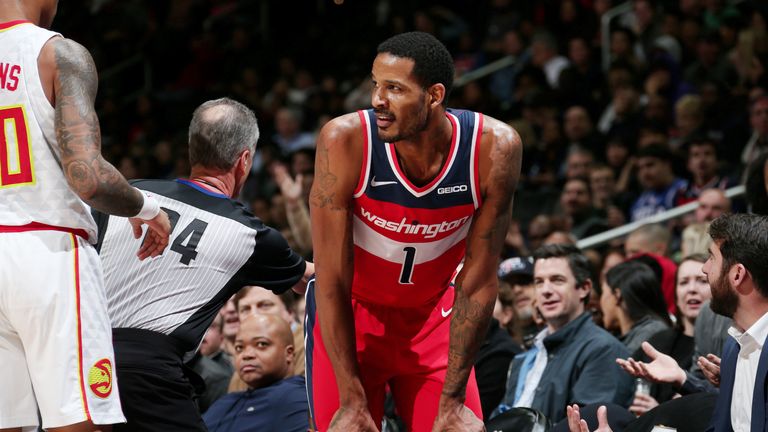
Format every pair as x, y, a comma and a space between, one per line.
751, 343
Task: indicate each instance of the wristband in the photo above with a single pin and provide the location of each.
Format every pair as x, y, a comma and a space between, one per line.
150, 208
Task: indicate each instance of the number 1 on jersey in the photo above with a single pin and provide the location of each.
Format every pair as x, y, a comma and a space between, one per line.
15, 152
408, 262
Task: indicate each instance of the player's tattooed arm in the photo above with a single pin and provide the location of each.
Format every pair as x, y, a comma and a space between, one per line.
93, 179
337, 168
476, 284
323, 193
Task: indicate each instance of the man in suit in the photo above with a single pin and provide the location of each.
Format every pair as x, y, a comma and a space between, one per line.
737, 270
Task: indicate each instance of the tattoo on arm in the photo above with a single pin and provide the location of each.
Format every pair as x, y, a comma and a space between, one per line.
78, 135
322, 194
468, 326
473, 309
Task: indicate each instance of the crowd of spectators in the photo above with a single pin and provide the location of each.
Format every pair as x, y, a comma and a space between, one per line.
673, 110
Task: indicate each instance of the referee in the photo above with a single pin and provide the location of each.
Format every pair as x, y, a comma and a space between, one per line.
160, 308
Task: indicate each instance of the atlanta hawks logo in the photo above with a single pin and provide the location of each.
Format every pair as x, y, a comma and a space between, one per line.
100, 378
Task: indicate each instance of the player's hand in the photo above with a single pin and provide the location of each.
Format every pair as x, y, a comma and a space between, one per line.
576, 424
157, 235
661, 369
710, 366
352, 418
642, 404
454, 416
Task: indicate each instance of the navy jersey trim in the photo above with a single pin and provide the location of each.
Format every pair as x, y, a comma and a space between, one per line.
194, 184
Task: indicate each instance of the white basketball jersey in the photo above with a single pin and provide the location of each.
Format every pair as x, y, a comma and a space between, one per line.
33, 188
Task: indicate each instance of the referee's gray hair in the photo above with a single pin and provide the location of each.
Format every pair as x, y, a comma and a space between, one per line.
219, 132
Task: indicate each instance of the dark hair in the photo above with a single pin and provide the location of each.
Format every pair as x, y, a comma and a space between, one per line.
658, 151
743, 239
578, 263
640, 290
581, 179
433, 63
700, 141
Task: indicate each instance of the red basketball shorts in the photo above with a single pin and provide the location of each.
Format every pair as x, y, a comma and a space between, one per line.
405, 348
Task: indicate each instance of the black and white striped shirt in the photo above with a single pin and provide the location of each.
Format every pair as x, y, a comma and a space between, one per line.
216, 247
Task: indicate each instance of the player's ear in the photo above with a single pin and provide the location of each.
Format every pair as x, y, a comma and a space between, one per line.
436, 95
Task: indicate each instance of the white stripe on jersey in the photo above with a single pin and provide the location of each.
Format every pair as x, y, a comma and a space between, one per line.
472, 156
391, 250
454, 151
368, 153
165, 298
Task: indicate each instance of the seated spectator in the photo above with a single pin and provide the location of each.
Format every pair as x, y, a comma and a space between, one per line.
665, 270
544, 55
289, 137
275, 398
632, 303
573, 360
702, 166
578, 162
602, 181
691, 294
516, 276
712, 204
757, 144
231, 325
559, 237
576, 204
660, 186
540, 227
651, 238
579, 131
695, 239
254, 300
689, 120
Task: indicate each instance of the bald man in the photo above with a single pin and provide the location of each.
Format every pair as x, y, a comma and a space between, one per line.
712, 204
264, 356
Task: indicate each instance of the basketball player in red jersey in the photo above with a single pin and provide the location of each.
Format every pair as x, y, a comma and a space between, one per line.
402, 193
55, 335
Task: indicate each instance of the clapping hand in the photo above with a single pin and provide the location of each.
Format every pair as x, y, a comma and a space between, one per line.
576, 424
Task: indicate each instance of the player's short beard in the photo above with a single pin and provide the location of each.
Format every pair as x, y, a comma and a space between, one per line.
420, 124
724, 299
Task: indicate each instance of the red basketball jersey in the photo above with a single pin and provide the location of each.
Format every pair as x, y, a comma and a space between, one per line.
409, 240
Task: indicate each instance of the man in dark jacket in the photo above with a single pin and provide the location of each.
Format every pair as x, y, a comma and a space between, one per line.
572, 360
275, 399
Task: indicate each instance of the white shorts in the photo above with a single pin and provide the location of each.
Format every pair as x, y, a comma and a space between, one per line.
55, 335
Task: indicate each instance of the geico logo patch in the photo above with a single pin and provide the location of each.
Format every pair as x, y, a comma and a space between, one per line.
451, 189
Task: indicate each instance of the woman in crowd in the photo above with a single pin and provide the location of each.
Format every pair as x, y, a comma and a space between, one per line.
691, 293
632, 303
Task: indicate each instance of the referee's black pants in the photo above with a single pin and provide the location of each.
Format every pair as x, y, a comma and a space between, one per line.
155, 392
